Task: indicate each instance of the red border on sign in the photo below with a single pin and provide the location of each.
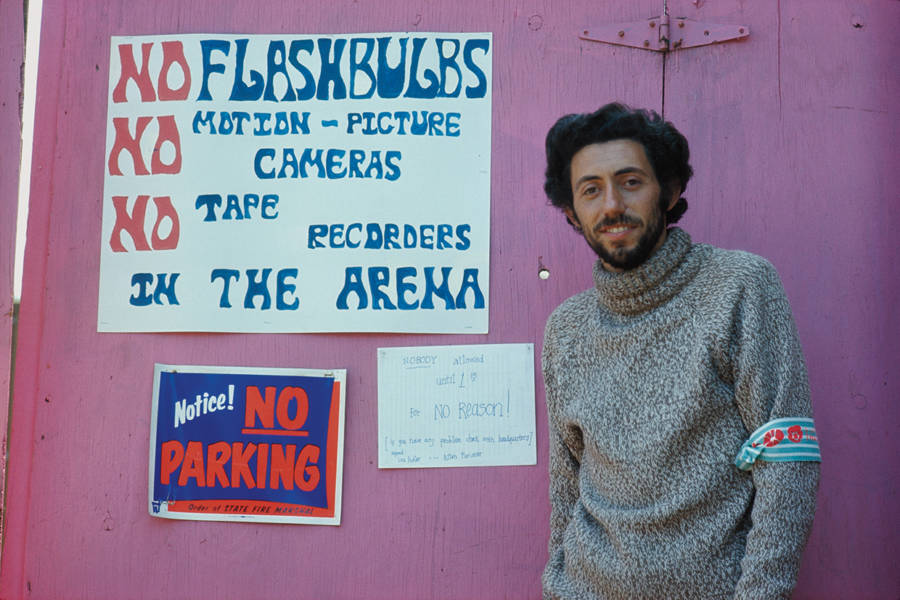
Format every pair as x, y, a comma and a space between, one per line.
263, 508
332, 450
267, 508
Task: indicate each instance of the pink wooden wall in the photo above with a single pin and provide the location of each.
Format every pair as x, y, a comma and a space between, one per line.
794, 142
792, 133
12, 39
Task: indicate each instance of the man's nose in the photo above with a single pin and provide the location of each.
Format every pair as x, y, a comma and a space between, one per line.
613, 203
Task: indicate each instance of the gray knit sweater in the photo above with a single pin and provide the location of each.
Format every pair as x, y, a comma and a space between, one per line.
654, 379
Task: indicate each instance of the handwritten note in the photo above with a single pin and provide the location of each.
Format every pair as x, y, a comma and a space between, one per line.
456, 406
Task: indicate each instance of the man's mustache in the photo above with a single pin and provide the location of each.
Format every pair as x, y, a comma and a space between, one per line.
620, 220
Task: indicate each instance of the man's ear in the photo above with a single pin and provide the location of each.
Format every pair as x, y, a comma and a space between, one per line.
674, 195
573, 218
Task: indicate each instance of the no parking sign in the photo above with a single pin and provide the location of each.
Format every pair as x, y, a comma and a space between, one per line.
247, 444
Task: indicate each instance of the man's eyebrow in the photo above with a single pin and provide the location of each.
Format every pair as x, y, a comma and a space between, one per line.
621, 171
638, 170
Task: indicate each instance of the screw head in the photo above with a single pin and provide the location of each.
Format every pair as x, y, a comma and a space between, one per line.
621, 34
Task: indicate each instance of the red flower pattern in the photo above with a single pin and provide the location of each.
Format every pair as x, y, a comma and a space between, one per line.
772, 437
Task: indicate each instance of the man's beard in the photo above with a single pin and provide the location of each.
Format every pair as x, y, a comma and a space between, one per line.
625, 258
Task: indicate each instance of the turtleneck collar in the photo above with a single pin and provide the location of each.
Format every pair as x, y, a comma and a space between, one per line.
652, 283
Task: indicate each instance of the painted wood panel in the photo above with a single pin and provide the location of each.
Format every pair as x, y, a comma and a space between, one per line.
12, 50
793, 133
77, 503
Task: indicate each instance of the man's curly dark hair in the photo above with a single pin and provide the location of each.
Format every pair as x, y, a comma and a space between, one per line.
667, 150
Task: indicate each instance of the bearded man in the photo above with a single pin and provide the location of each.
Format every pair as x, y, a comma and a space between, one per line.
683, 455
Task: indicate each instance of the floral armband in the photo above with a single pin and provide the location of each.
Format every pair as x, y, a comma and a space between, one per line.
781, 440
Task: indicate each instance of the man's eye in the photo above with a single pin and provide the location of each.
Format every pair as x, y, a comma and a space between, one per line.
632, 182
589, 190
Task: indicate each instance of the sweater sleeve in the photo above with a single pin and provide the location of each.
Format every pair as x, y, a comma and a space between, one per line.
564, 466
770, 382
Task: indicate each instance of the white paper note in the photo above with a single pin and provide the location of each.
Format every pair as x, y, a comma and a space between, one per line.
456, 406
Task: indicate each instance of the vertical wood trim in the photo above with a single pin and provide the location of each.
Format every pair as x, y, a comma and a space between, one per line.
12, 51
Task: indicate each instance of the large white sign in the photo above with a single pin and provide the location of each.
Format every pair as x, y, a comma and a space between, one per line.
456, 406
297, 183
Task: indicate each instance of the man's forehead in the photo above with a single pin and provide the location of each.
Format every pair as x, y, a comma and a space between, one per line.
610, 158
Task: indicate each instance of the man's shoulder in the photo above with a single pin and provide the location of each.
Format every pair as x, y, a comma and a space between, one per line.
730, 277
735, 266
575, 307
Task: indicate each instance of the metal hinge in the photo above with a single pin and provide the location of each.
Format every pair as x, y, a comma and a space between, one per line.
662, 34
